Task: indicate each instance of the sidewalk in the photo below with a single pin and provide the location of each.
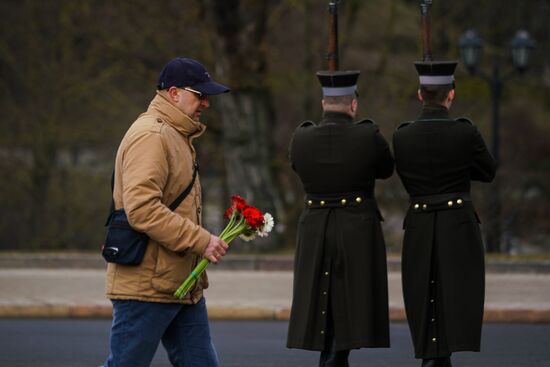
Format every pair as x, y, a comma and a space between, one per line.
242, 294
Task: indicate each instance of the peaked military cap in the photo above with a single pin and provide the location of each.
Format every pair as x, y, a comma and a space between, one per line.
436, 72
338, 83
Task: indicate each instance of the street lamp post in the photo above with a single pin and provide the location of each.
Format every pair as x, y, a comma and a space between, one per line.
471, 47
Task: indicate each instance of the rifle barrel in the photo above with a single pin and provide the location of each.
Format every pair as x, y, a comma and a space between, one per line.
332, 55
426, 25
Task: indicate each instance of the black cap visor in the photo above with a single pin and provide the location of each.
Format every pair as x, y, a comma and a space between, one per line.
210, 88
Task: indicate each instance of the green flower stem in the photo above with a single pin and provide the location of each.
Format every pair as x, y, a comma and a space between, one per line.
230, 224
191, 279
230, 232
239, 228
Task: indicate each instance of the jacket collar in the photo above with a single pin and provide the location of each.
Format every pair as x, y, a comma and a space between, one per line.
434, 112
160, 106
336, 118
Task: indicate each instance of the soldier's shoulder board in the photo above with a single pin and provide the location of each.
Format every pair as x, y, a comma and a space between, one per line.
306, 124
464, 119
403, 124
364, 121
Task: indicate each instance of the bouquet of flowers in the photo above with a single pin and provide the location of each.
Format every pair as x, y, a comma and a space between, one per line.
246, 222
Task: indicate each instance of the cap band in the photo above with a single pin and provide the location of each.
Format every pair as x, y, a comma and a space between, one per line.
339, 91
436, 79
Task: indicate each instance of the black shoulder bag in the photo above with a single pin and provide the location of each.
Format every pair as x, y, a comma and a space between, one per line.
123, 244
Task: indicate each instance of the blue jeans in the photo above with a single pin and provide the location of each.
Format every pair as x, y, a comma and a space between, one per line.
138, 327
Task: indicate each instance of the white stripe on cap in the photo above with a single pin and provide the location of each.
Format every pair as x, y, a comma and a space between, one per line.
436, 79
339, 91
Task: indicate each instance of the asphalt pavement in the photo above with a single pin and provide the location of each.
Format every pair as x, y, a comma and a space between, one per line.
85, 343
252, 288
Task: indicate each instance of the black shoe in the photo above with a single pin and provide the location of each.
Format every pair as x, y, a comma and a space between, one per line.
437, 362
333, 358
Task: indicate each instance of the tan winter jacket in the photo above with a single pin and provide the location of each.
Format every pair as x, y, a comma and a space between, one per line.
154, 164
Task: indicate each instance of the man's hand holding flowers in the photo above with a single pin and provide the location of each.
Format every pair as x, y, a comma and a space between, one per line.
215, 249
245, 221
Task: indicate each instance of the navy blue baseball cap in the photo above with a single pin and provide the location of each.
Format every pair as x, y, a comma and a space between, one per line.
184, 72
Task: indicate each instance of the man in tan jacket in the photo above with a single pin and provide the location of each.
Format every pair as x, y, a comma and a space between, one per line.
154, 164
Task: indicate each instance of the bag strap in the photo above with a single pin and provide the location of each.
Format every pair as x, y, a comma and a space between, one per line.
112, 199
187, 190
176, 202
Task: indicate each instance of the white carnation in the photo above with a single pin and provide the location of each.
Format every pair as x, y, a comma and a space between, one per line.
269, 223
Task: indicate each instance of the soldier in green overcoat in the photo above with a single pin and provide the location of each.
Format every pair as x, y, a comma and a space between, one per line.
443, 257
340, 298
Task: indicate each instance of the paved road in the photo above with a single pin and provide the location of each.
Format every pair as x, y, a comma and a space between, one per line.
81, 342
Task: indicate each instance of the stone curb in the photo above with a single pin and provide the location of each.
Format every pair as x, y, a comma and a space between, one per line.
247, 313
234, 262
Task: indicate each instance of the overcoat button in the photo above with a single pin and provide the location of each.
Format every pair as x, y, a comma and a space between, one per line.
358, 199
324, 293
309, 202
416, 206
159, 120
322, 202
322, 331
459, 201
424, 207
326, 272
450, 203
344, 201
434, 340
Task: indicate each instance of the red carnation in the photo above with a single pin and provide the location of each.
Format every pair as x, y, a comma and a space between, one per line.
238, 203
253, 216
229, 212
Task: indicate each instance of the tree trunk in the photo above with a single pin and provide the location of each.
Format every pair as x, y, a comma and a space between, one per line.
246, 113
247, 120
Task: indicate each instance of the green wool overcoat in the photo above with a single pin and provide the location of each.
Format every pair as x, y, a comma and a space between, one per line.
340, 261
443, 258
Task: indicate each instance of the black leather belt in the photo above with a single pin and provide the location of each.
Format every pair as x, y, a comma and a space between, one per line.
342, 200
440, 201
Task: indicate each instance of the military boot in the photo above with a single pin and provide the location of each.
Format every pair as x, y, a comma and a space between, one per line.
437, 362
330, 357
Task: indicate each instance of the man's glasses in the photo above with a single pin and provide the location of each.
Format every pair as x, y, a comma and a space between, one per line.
200, 95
